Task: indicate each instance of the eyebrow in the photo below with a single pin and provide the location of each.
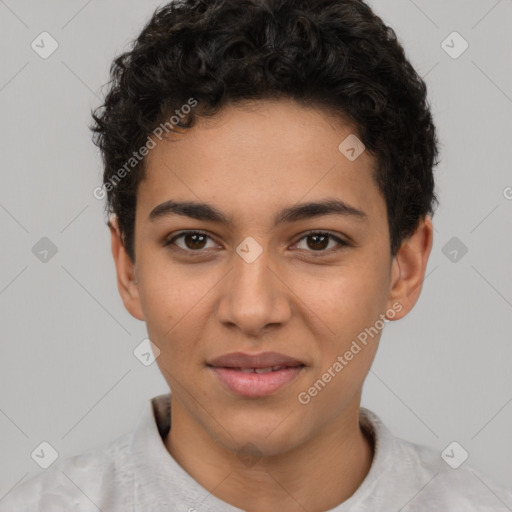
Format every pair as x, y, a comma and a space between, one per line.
303, 211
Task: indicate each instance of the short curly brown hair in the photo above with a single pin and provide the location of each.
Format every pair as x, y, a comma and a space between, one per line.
331, 54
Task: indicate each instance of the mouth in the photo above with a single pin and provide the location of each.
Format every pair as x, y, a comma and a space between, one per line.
261, 370
255, 375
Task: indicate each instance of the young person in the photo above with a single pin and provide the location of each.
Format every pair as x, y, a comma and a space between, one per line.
268, 165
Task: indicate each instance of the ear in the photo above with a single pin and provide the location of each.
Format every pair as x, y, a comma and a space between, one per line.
408, 269
126, 277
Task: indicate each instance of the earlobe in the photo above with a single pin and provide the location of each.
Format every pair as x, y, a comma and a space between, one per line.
408, 268
127, 282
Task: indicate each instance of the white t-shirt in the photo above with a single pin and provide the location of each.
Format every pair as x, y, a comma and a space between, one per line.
135, 472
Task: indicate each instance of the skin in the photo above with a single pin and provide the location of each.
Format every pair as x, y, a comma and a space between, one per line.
304, 300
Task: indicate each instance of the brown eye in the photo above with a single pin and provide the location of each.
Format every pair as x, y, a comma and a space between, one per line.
319, 242
192, 241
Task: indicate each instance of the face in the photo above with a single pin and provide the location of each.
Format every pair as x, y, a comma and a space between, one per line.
257, 271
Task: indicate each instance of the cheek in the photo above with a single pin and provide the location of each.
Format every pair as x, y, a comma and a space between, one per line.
173, 299
178, 300
169, 291
344, 300
350, 306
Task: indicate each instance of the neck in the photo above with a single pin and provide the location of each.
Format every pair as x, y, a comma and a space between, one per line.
318, 475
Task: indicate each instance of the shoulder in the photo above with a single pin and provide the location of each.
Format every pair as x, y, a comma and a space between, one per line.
416, 477
95, 479
449, 481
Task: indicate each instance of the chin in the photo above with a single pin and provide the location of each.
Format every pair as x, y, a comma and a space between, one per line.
255, 435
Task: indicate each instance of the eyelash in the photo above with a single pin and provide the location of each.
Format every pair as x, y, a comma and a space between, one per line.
322, 252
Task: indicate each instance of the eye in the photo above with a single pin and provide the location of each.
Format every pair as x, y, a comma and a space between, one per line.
319, 241
191, 241
315, 241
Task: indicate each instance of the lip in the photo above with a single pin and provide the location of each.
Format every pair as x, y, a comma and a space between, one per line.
228, 369
261, 360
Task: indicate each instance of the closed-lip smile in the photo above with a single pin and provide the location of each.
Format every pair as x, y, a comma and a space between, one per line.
255, 375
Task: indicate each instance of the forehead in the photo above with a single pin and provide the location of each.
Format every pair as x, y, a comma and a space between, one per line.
255, 159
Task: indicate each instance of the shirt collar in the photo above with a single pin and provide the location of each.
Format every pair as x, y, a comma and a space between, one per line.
160, 482
384, 447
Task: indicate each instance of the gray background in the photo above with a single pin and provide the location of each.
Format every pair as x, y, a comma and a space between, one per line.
68, 375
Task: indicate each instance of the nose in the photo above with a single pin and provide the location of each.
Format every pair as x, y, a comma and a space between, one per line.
254, 297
